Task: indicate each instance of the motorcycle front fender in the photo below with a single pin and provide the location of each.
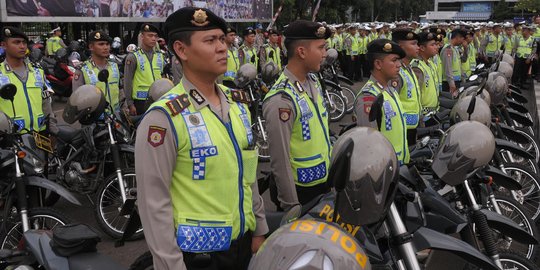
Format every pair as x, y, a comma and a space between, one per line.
512, 147
331, 84
518, 97
513, 134
508, 227
517, 106
425, 238
520, 118
52, 186
502, 179
345, 79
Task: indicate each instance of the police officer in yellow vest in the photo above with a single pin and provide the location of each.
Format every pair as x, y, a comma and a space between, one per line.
141, 69
248, 52
492, 43
54, 43
407, 83
509, 37
100, 47
32, 105
233, 61
384, 58
297, 120
426, 72
196, 160
363, 41
271, 51
524, 48
451, 62
350, 44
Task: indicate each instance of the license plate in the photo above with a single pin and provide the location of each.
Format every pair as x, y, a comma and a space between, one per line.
43, 142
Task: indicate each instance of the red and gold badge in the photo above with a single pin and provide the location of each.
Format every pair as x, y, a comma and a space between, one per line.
156, 135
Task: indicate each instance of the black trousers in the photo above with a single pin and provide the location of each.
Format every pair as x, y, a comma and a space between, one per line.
357, 68
350, 67
364, 65
411, 137
140, 106
342, 62
446, 87
521, 70
237, 257
305, 194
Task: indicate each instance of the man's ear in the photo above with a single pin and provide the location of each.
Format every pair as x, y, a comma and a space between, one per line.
377, 64
180, 50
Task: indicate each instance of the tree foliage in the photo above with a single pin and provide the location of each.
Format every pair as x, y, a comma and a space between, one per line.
501, 11
528, 5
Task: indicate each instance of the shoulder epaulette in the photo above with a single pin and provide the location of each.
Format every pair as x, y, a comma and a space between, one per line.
178, 104
240, 96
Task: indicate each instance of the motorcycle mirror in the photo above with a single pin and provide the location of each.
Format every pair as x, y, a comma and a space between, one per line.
103, 75
473, 77
8, 91
472, 104
339, 171
461, 89
375, 112
480, 66
294, 213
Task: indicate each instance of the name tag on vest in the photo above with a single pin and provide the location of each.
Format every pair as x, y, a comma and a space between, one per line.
304, 109
204, 152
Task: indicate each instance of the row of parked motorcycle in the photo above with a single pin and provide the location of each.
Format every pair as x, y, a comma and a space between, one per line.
490, 209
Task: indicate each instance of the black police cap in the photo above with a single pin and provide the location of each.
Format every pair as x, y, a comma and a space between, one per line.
403, 34
230, 30
148, 27
13, 32
248, 31
193, 19
273, 31
424, 37
458, 32
98, 36
302, 29
385, 46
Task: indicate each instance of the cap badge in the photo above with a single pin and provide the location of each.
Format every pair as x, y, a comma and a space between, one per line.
320, 32
410, 35
439, 37
228, 29
387, 47
97, 35
7, 32
147, 28
200, 18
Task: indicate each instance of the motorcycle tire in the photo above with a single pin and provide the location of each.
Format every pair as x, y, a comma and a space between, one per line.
350, 96
262, 146
109, 203
337, 112
529, 195
143, 262
42, 218
514, 261
513, 210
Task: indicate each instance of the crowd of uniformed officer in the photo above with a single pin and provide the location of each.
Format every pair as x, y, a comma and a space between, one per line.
196, 158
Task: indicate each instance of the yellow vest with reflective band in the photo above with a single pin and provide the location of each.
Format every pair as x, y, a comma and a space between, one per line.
338, 42
508, 42
232, 65
90, 74
466, 66
524, 49
273, 55
373, 36
28, 99
393, 125
536, 34
429, 91
362, 44
330, 44
310, 139
456, 63
146, 73
211, 182
472, 57
53, 45
250, 56
494, 44
410, 97
437, 64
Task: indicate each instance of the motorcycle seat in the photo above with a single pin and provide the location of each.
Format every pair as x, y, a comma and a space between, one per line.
68, 133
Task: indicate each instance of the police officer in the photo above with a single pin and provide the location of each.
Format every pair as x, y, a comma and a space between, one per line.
248, 52
407, 83
350, 44
233, 63
100, 46
297, 120
363, 41
271, 51
426, 72
54, 43
508, 37
31, 106
524, 48
142, 68
195, 159
492, 42
384, 58
451, 62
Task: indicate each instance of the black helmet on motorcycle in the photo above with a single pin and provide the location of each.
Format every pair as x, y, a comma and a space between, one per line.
310, 245
373, 176
506, 69
158, 88
473, 90
481, 112
497, 87
35, 55
6, 125
466, 146
85, 105
74, 46
269, 72
61, 54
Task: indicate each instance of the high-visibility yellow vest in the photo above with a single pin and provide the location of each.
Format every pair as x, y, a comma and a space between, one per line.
273, 54
429, 90
524, 49
146, 73
456, 63
112, 94
250, 55
410, 97
494, 44
232, 65
53, 45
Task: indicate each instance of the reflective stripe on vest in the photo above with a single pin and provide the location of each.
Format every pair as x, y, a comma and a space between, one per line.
429, 92
146, 73
395, 129
273, 55
211, 183
28, 99
53, 45
113, 92
232, 65
410, 97
456, 63
494, 44
310, 139
250, 56
524, 49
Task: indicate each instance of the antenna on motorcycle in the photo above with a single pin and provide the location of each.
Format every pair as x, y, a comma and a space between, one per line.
7, 92
375, 112
340, 172
472, 104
